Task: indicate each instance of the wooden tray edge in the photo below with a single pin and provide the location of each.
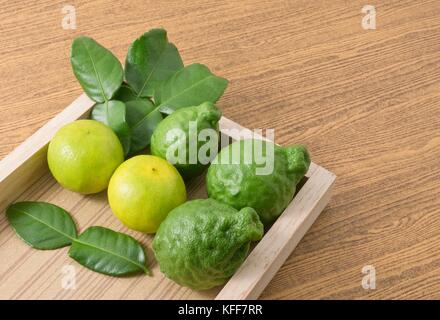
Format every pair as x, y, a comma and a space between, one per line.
278, 243
27, 163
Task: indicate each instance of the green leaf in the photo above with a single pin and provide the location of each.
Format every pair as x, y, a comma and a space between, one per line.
151, 59
109, 252
42, 225
142, 117
190, 86
125, 93
98, 71
113, 114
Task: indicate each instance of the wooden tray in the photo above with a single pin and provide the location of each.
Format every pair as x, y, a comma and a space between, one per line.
26, 273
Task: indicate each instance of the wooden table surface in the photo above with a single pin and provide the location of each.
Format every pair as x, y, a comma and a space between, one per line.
365, 102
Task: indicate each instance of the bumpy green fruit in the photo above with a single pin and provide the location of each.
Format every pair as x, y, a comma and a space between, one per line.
233, 177
203, 242
165, 138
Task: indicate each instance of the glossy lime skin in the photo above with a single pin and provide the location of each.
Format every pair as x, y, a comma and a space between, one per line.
83, 155
203, 242
207, 116
237, 183
143, 190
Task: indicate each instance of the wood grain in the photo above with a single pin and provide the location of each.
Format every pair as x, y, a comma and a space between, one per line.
366, 102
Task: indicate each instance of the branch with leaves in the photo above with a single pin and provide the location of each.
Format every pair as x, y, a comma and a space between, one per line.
156, 84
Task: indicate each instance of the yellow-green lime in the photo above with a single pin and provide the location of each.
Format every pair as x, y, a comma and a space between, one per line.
83, 155
143, 190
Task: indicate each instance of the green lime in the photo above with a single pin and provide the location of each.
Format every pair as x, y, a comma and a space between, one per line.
188, 138
203, 242
83, 155
265, 181
143, 190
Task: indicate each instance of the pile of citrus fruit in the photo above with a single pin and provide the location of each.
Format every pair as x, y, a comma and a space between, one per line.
199, 243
